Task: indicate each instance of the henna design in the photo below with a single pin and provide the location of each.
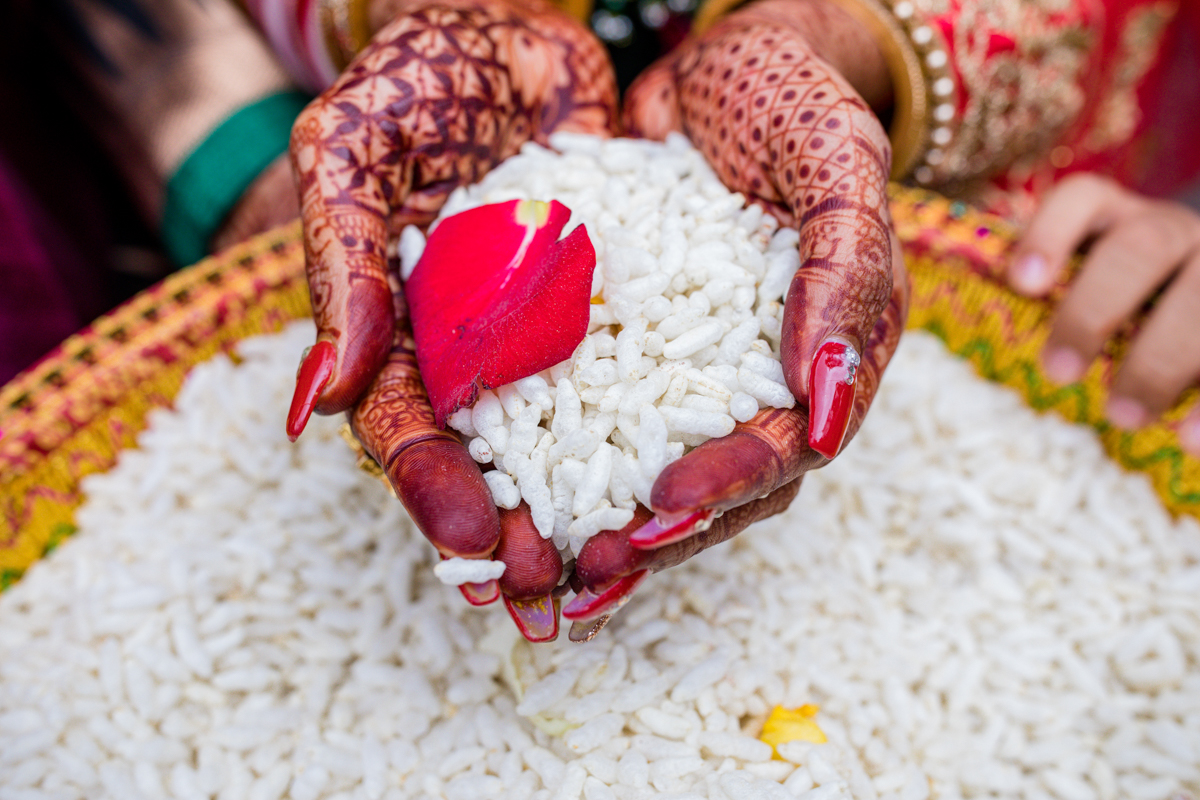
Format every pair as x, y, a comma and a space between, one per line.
754, 472
440, 96
444, 93
534, 566
772, 449
760, 455
435, 478
608, 556
780, 125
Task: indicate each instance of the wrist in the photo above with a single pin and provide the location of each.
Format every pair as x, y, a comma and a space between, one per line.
891, 55
837, 37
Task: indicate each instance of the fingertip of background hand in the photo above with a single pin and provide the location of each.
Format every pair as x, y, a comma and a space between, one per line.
1126, 413
1063, 365
1030, 274
1189, 434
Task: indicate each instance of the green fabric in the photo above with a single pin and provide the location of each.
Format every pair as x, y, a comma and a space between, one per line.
208, 184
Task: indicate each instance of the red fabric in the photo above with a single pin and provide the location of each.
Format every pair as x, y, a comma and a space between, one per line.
1108, 86
1169, 155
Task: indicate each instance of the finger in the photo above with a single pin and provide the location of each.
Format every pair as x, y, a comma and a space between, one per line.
534, 566
432, 473
770, 450
1164, 359
1189, 433
570, 81
611, 568
532, 572
1074, 210
344, 215
1122, 270
781, 125
652, 103
439, 97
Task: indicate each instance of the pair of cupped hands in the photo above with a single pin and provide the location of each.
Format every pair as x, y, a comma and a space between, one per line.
778, 96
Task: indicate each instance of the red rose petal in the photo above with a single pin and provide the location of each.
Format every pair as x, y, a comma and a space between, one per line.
496, 298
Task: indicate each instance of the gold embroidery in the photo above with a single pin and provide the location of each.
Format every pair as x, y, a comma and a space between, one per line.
1021, 65
1119, 114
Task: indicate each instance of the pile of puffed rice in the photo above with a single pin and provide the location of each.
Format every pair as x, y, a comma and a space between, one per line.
981, 604
684, 343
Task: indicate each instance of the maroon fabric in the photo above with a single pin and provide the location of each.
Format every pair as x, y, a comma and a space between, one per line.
55, 250
38, 305
62, 205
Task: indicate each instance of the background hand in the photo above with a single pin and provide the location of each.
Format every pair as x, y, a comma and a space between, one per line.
1139, 246
443, 93
779, 123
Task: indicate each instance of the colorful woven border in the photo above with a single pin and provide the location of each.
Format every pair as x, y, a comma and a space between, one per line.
72, 413
956, 257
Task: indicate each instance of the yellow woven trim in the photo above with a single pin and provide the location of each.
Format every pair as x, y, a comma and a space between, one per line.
73, 413
910, 125
956, 258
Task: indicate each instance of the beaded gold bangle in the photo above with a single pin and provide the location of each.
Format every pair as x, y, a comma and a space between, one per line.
936, 123
924, 116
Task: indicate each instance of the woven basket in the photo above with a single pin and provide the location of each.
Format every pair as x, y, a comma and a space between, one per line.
72, 413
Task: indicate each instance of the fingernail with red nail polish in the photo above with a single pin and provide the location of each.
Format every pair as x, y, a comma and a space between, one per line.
1063, 365
1126, 413
536, 617
831, 396
1029, 273
664, 530
589, 604
316, 368
481, 594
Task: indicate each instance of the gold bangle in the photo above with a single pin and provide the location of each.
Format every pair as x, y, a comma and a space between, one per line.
712, 10
347, 29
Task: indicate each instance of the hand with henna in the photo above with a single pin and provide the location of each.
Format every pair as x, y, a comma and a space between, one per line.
779, 97
445, 91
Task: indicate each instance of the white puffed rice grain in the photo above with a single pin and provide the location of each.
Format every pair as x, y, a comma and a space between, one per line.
678, 263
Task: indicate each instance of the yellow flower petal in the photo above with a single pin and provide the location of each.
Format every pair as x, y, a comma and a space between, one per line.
792, 725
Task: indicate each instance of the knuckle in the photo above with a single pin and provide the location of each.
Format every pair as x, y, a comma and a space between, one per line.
1084, 331
1161, 232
